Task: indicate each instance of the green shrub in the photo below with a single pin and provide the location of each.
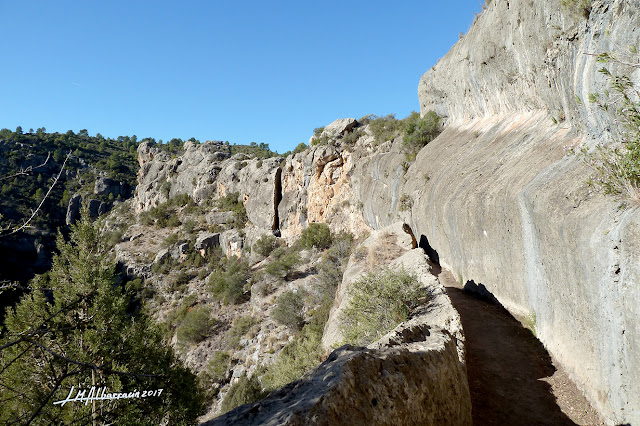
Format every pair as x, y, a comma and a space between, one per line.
238, 330
420, 131
218, 366
288, 309
180, 281
196, 325
578, 7
405, 203
302, 354
300, 148
265, 245
231, 202
189, 226
182, 200
320, 140
228, 285
171, 239
284, 263
316, 235
380, 300
617, 166
244, 391
383, 128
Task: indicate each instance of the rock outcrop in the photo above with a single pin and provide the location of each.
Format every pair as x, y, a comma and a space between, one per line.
411, 376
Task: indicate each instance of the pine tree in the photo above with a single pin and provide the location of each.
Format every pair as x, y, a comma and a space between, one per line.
75, 329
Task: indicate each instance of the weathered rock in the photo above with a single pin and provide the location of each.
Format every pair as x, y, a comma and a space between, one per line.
410, 378
106, 186
506, 207
73, 209
339, 127
94, 208
231, 243
180, 250
392, 246
206, 241
219, 218
162, 255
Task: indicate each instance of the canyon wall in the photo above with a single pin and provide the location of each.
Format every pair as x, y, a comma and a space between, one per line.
507, 204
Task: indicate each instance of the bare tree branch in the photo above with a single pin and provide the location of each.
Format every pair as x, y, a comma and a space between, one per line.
27, 170
35, 212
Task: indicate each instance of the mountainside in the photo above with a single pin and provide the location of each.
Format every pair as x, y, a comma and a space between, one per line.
499, 197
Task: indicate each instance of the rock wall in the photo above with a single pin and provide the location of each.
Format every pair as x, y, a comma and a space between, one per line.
507, 205
524, 56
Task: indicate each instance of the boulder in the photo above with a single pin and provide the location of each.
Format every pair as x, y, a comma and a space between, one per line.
339, 127
231, 243
219, 218
106, 186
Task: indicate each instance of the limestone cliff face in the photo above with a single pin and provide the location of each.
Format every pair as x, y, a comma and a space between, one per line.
507, 206
497, 197
317, 187
524, 56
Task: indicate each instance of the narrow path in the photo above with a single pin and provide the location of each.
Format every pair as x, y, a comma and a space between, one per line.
512, 378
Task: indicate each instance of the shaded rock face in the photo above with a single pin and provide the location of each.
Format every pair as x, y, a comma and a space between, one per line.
413, 377
107, 186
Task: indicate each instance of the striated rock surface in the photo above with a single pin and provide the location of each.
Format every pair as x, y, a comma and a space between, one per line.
506, 205
523, 56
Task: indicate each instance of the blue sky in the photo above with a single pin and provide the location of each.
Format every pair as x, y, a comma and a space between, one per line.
240, 71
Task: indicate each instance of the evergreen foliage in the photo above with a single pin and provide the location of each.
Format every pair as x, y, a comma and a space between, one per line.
74, 329
316, 235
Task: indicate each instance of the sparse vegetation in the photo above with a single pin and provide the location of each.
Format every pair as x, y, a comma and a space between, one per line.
244, 391
420, 131
617, 166
228, 284
577, 7
300, 148
288, 309
405, 203
232, 203
380, 300
238, 330
285, 260
219, 365
265, 245
196, 325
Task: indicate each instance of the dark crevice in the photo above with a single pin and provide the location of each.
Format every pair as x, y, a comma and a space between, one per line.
428, 250
277, 197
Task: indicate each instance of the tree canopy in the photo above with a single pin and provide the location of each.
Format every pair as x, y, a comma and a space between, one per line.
77, 328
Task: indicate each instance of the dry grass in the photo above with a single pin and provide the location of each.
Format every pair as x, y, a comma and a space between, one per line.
385, 252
